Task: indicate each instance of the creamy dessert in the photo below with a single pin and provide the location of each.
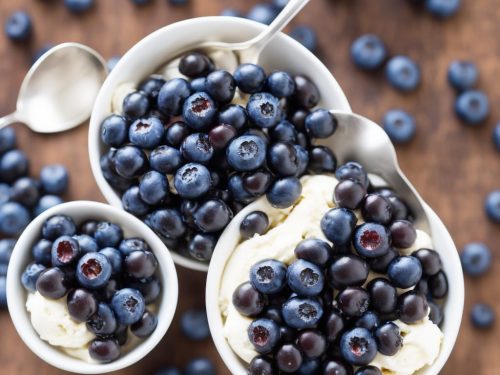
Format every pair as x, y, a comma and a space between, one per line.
91, 292
405, 336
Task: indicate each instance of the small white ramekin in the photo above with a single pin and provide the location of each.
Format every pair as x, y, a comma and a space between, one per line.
152, 52
230, 238
132, 227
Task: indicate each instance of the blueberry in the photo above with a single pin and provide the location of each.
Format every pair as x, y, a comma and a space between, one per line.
353, 301
200, 366
482, 316
234, 115
103, 321
321, 160
280, 84
405, 271
264, 110
18, 26
399, 126
153, 187
250, 78
172, 96
132, 244
313, 250
114, 130
13, 164
347, 270
248, 300
238, 192
78, 6
306, 93
133, 203
108, 234
146, 132
305, 278
54, 179
192, 180
109, 172
284, 192
412, 307
368, 52
150, 289
30, 276
195, 64
86, 243
389, 339
194, 325
352, 171
199, 111
57, 226
320, 124
430, 260
302, 159
5, 193
302, 312
438, 285
255, 222
472, 107
246, 153
13, 218
128, 305
115, 258
135, 105
403, 73
46, 202
104, 349
201, 247
268, 276
6, 247
7, 139
289, 358
403, 234
371, 240
221, 135
197, 148
338, 225
496, 136
336, 365
306, 36
263, 13
383, 295
264, 335
261, 365
212, 216
221, 86
368, 370
476, 258
167, 222
130, 162
443, 8
25, 191
309, 366
51, 283
368, 320
93, 270
349, 194
65, 250
462, 75
81, 304
140, 264
165, 159
283, 132
282, 159
358, 347
492, 206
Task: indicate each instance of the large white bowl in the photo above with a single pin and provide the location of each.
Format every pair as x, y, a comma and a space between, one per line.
230, 238
132, 227
163, 45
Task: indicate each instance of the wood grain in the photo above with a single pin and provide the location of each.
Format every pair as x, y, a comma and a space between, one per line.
452, 165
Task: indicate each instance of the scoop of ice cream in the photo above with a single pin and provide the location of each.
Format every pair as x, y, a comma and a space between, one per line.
52, 322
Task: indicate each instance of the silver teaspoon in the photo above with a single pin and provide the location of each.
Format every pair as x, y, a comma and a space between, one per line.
59, 90
249, 51
360, 139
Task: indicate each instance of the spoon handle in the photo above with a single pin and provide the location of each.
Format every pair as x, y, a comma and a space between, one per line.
8, 120
253, 47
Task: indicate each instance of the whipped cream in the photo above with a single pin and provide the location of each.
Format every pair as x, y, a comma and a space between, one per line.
421, 342
51, 320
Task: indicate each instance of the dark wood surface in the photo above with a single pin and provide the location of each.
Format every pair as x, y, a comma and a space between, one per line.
453, 166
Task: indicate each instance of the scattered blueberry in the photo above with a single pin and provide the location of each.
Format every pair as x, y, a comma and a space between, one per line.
482, 316
399, 126
443, 8
476, 258
18, 26
200, 366
194, 325
306, 36
54, 179
403, 73
79, 6
368, 52
472, 107
463, 75
492, 206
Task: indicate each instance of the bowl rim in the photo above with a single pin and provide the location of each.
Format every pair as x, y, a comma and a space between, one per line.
106, 92
222, 254
16, 295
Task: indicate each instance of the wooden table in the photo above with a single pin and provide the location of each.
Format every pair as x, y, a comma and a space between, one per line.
452, 165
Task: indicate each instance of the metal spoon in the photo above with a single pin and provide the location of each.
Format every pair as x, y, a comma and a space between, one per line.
59, 90
360, 139
249, 51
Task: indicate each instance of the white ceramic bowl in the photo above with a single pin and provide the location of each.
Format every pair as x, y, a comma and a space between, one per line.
230, 238
163, 45
132, 227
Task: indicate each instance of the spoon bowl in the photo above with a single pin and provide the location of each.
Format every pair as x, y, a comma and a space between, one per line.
59, 90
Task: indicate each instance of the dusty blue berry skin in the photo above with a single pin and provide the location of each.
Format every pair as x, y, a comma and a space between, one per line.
30, 276
358, 347
54, 179
305, 278
13, 164
403, 73
87, 243
284, 192
492, 206
192, 180
268, 276
399, 125
108, 234
246, 153
172, 96
194, 325
280, 84
405, 271
264, 110
250, 78
96, 281
128, 305
46, 202
13, 219
462, 75
57, 226
302, 313
306, 36
443, 8
153, 187
368, 52
338, 225
133, 203
7, 139
482, 316
199, 111
476, 259
472, 107
272, 336
18, 27
70, 246
114, 130
6, 247
146, 133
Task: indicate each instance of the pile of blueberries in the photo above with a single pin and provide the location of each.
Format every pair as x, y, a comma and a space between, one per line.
317, 313
107, 280
186, 159
22, 197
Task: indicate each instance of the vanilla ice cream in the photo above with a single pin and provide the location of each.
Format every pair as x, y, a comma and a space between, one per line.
421, 342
